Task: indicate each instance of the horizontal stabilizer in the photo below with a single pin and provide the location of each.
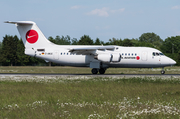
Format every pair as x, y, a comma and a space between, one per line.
20, 22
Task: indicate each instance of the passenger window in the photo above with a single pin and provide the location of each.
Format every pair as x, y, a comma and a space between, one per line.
129, 54
132, 54
67, 53
122, 53
64, 53
135, 54
125, 53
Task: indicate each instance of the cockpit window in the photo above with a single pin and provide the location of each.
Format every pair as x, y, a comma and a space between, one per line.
157, 54
161, 53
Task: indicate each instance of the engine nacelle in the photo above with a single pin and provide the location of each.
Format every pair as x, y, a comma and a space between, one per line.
116, 57
104, 57
30, 52
108, 57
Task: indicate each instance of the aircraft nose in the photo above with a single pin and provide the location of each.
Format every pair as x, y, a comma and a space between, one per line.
172, 62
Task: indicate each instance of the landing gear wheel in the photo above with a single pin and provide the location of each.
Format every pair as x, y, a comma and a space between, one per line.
94, 71
162, 72
102, 71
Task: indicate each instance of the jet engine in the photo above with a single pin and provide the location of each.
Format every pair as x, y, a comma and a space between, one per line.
104, 57
116, 57
108, 57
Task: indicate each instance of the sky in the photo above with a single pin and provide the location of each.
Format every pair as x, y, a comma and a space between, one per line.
103, 19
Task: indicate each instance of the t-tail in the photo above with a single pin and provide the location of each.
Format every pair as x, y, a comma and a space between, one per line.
31, 35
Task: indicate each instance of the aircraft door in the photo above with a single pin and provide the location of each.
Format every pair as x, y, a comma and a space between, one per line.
144, 56
56, 55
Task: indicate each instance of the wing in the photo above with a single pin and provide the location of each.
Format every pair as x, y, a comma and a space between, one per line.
85, 50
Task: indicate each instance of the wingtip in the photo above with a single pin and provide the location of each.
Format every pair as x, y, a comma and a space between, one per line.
6, 21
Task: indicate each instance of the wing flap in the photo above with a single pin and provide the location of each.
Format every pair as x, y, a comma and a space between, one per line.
90, 49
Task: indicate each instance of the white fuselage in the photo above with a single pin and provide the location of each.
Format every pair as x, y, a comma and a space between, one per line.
99, 58
131, 57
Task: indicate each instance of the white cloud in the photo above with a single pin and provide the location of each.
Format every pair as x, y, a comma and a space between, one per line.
75, 7
100, 12
104, 12
176, 7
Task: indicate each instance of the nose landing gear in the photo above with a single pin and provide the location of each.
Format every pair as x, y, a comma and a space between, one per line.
162, 71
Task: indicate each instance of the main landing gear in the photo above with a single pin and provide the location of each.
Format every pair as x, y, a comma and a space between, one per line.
95, 71
162, 71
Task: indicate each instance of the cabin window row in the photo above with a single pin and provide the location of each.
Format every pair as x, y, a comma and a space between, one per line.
123, 54
129, 54
67, 54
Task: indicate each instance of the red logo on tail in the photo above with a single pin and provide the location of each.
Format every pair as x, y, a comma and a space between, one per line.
31, 36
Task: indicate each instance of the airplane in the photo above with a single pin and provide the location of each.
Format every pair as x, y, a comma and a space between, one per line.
99, 58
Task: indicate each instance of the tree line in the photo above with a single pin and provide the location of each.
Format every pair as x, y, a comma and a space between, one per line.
12, 48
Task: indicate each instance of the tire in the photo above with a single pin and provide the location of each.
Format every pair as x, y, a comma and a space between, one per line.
102, 71
94, 71
162, 72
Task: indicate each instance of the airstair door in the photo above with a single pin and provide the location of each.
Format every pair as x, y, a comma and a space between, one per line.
144, 56
56, 55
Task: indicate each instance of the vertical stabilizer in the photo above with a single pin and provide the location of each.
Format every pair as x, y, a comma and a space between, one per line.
31, 35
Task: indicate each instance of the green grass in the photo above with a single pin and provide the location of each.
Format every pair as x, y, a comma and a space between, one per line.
87, 97
77, 70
